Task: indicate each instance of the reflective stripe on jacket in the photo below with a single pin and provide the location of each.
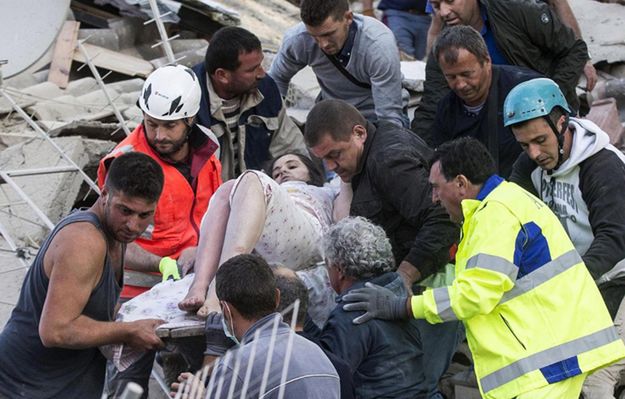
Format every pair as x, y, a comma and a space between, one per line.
532, 312
181, 207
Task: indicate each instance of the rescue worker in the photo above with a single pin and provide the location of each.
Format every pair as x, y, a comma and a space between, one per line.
170, 99
575, 170
535, 321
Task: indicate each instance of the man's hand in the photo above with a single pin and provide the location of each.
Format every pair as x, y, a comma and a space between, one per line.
591, 75
169, 268
193, 386
409, 273
377, 302
142, 336
216, 341
186, 260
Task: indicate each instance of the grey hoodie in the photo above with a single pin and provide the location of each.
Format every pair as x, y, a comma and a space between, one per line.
587, 193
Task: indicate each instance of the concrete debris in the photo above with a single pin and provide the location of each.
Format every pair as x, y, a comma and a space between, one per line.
30, 96
55, 194
414, 75
602, 28
67, 107
91, 130
171, 10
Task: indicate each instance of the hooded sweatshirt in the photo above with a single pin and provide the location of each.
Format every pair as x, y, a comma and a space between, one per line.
587, 193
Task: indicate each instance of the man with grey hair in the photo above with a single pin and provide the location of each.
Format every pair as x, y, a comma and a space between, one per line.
383, 356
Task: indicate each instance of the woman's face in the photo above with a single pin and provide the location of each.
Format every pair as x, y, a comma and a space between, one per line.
290, 168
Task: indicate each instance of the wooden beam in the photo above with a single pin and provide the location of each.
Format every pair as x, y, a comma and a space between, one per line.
63, 54
115, 61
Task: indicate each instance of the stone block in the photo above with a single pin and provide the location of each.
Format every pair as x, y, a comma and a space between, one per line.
29, 95
303, 89
54, 194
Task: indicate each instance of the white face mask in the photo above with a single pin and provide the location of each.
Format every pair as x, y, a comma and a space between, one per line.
224, 325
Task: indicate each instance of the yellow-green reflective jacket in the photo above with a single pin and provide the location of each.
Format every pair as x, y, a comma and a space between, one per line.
532, 312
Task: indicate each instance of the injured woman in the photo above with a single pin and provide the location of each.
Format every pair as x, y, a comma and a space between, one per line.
282, 218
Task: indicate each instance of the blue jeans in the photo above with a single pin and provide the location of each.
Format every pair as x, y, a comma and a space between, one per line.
410, 30
439, 345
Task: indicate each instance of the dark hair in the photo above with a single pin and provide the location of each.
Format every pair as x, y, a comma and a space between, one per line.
454, 38
465, 156
225, 47
291, 289
315, 169
247, 283
136, 175
315, 12
334, 117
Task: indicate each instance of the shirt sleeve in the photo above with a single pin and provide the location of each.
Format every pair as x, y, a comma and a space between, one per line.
489, 271
384, 71
410, 194
602, 183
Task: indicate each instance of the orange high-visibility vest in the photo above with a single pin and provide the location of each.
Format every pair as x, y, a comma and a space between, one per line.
181, 206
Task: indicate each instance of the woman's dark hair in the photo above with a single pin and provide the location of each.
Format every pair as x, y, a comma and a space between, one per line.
315, 169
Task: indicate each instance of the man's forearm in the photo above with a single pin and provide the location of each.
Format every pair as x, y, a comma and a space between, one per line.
139, 259
342, 203
409, 272
84, 332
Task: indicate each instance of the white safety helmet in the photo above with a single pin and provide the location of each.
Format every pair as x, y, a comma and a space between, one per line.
171, 92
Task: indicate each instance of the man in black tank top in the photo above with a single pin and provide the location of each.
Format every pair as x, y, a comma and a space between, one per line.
68, 299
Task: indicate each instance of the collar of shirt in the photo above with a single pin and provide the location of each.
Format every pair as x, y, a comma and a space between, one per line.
346, 52
248, 100
489, 185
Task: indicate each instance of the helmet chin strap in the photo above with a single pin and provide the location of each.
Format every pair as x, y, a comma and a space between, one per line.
560, 137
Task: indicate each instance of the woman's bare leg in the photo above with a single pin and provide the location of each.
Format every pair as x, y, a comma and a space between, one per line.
211, 241
245, 226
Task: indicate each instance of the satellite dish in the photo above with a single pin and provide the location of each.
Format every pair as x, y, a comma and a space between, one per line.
27, 30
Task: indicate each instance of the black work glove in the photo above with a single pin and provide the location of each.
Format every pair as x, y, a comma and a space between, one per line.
377, 302
216, 341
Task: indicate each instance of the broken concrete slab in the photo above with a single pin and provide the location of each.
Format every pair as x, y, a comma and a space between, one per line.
114, 61
178, 46
59, 111
24, 80
105, 38
413, 75
29, 96
14, 131
54, 194
303, 89
91, 130
268, 19
602, 29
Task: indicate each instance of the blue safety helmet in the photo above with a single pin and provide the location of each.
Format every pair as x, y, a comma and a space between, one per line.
532, 99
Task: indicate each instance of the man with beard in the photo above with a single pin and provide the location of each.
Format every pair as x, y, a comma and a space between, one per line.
170, 99
242, 105
67, 302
